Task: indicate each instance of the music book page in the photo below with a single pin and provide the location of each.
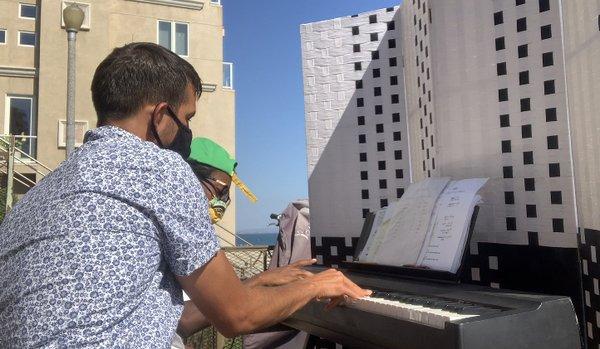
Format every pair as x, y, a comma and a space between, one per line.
449, 230
427, 227
405, 224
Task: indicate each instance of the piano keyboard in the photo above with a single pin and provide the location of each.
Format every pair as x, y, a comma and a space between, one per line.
429, 311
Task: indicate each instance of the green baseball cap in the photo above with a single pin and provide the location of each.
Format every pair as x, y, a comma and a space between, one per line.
206, 151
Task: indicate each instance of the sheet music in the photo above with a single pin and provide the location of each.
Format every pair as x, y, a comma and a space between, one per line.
448, 232
402, 233
373, 241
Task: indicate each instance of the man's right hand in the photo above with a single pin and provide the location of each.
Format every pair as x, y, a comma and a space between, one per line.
332, 284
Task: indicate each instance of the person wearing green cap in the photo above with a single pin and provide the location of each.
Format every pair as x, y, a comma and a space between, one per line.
215, 169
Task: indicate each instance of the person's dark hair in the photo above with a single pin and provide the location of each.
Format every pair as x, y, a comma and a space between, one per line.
202, 171
140, 73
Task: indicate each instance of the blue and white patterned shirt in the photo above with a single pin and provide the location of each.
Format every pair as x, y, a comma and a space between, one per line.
88, 257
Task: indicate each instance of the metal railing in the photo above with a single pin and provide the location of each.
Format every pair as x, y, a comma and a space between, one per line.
12, 156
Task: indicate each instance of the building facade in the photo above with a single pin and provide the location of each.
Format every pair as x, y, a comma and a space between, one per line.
33, 66
502, 89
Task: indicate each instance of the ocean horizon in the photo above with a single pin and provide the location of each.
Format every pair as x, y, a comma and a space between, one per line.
257, 239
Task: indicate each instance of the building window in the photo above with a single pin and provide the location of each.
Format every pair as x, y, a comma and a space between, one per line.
392, 43
551, 114
174, 36
355, 30
27, 38
360, 102
501, 68
396, 117
362, 139
398, 154
500, 44
378, 109
558, 225
503, 95
553, 142
357, 66
376, 72
380, 146
523, 51
507, 172
397, 136
374, 55
393, 80
506, 148
521, 24
22, 121
227, 75
2, 36
374, 37
504, 120
526, 131
399, 192
356, 48
381, 165
28, 11
399, 173
524, 77
364, 194
364, 175
382, 184
372, 19
391, 25
379, 128
547, 59
525, 104
498, 18
359, 84
546, 32
554, 170
527, 158
519, 2
531, 211
544, 5
395, 99
377, 91
549, 87
511, 223
509, 197
363, 157
529, 184
556, 197
393, 62
383, 203
365, 212
361, 120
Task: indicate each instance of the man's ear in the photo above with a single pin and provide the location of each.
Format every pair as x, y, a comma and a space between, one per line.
158, 115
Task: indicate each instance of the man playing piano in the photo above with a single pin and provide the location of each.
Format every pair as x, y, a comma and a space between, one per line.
96, 255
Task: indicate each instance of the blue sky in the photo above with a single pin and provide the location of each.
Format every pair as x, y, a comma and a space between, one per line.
263, 41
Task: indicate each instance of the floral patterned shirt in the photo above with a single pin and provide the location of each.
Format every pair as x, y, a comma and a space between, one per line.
88, 257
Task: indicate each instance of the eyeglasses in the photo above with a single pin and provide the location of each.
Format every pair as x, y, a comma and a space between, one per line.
223, 194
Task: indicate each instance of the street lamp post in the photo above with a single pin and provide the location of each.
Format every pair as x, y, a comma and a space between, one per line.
73, 17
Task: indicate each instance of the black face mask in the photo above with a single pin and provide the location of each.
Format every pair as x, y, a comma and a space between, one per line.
183, 139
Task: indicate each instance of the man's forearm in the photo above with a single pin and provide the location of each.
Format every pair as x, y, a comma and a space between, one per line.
192, 320
267, 306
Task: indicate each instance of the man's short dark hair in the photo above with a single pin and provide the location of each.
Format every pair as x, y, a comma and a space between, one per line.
137, 74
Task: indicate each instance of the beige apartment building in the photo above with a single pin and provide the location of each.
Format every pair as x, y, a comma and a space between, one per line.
33, 67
